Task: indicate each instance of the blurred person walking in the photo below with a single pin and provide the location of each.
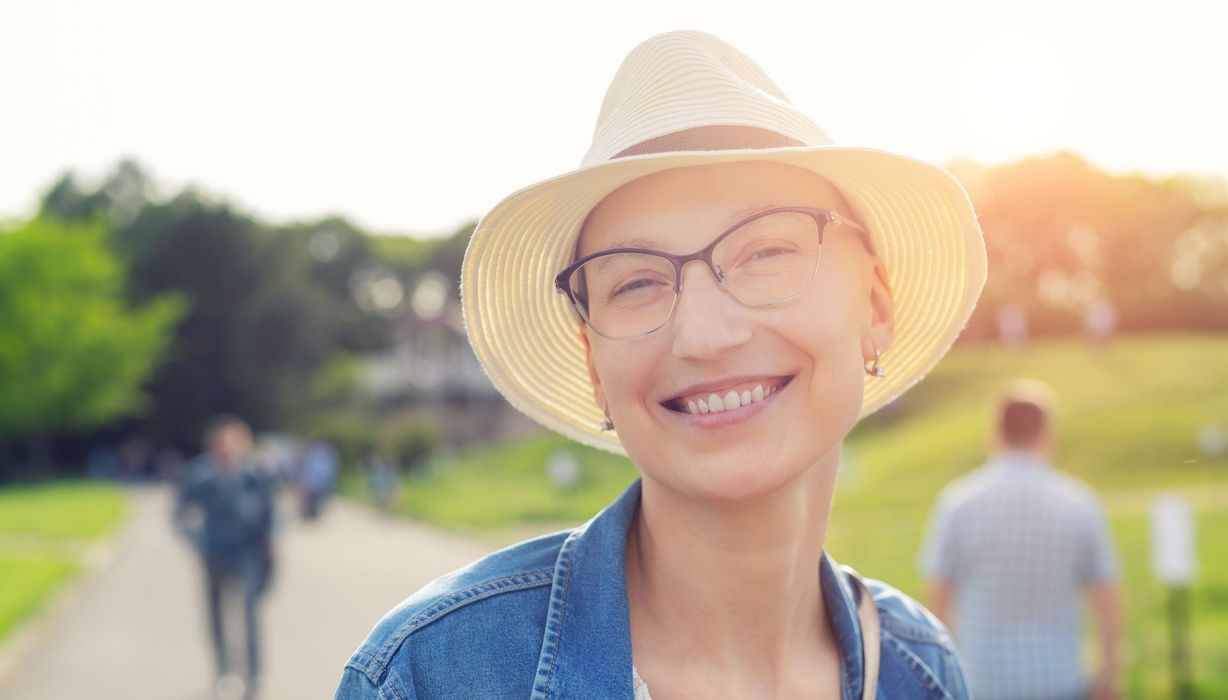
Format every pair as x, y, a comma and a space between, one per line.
1011, 550
225, 509
316, 477
383, 480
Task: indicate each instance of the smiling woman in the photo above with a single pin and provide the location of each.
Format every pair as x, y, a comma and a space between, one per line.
719, 294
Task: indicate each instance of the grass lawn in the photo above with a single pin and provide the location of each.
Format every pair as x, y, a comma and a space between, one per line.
27, 581
43, 531
1128, 419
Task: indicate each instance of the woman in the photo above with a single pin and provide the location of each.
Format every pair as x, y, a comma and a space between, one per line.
717, 293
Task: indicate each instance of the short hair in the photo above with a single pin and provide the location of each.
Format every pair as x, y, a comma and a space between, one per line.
1025, 410
221, 422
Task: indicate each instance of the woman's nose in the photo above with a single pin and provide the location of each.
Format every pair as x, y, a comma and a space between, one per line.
707, 320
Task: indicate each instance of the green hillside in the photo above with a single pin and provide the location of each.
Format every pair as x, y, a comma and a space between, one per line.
1128, 420
1129, 415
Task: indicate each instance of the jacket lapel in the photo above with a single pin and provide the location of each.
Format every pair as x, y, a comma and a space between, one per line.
586, 649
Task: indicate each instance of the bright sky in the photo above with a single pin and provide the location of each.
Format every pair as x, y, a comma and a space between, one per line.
415, 116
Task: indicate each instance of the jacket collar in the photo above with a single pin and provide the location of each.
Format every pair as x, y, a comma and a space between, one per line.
586, 649
1019, 461
841, 605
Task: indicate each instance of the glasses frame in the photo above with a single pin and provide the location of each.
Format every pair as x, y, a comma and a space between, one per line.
822, 217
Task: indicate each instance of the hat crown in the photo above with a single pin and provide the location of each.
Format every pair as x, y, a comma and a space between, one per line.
682, 80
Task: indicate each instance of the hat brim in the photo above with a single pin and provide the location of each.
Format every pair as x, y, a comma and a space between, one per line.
526, 335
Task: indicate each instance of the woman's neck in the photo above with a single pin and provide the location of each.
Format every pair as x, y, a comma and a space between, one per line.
733, 587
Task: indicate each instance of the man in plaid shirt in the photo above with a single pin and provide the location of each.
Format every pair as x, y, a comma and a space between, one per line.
1011, 550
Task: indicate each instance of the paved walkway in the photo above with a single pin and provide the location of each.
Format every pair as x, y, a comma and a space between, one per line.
136, 630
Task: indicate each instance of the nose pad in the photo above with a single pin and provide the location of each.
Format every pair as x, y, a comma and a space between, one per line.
707, 317
699, 267
711, 277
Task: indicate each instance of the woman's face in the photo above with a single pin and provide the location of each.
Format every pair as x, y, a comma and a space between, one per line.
807, 354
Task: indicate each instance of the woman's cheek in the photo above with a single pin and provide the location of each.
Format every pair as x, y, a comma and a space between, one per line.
620, 368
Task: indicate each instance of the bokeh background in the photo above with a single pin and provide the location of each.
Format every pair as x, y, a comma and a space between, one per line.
262, 208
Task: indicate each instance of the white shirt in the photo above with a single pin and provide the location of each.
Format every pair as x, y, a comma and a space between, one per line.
1019, 541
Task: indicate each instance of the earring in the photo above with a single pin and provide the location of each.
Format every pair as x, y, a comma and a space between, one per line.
608, 424
872, 367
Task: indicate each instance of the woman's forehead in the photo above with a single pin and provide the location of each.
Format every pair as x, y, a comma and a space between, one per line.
704, 198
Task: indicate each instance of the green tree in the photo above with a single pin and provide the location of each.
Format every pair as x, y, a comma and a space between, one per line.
273, 308
258, 326
73, 355
269, 305
1061, 234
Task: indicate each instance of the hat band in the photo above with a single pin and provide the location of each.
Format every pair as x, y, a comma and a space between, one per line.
711, 138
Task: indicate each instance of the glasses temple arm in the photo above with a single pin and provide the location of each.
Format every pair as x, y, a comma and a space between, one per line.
841, 220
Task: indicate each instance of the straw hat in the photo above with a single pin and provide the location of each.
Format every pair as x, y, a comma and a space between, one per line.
688, 98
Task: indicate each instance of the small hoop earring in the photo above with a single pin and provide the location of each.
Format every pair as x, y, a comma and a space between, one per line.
606, 425
872, 367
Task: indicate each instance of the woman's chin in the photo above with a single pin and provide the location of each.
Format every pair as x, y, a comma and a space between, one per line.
731, 482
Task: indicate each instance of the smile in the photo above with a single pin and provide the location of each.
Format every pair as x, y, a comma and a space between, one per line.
719, 399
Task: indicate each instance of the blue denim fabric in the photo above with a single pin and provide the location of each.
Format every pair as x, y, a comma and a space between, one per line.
548, 618
236, 509
242, 577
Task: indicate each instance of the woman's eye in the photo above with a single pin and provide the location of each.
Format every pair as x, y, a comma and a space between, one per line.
770, 253
767, 253
633, 285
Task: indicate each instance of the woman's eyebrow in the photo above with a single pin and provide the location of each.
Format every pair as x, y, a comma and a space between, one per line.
734, 218
636, 243
744, 212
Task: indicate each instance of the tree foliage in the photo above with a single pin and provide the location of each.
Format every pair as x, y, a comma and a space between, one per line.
1061, 235
73, 355
268, 306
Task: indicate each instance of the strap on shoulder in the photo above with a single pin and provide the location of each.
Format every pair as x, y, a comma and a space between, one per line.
867, 614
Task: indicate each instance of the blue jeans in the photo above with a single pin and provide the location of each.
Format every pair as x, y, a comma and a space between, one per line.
226, 576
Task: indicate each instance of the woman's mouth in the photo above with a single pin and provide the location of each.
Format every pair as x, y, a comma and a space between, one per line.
727, 398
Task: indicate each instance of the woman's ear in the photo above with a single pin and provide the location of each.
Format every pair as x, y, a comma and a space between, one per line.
598, 392
879, 331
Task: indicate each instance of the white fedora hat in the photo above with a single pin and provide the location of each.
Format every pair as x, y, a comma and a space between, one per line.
688, 98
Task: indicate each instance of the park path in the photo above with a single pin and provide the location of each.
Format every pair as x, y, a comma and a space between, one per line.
135, 630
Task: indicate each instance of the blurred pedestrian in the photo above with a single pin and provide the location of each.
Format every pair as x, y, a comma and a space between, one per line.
1012, 322
383, 480
1011, 550
1100, 320
225, 509
102, 462
316, 477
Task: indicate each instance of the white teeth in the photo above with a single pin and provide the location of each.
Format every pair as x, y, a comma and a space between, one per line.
715, 403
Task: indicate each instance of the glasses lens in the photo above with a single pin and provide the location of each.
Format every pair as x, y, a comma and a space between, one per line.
770, 259
622, 295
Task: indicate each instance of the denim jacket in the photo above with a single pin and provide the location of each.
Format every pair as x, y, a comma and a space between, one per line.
548, 618
236, 510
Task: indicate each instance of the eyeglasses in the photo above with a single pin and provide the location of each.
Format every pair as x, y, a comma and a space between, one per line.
768, 258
